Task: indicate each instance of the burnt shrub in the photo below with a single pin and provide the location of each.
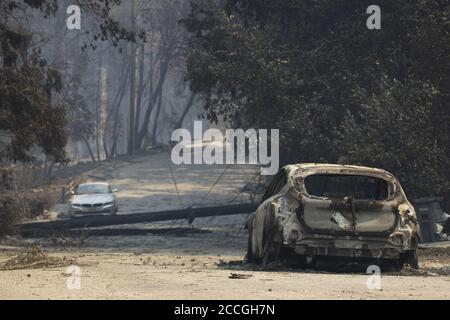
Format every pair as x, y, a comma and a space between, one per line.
10, 214
36, 203
16, 206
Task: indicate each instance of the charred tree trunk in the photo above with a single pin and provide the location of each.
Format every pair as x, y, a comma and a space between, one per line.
105, 148
97, 110
155, 125
88, 146
186, 111
140, 94
164, 66
132, 115
115, 114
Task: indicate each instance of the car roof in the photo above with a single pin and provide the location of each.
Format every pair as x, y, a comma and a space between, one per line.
335, 166
328, 167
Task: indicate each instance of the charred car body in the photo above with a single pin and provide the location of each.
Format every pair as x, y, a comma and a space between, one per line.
338, 211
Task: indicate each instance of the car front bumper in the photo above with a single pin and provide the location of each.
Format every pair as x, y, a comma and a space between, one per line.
82, 211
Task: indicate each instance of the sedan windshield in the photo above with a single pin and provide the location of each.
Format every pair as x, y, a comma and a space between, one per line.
93, 188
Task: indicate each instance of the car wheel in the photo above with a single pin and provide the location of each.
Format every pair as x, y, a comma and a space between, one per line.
410, 258
268, 255
391, 265
249, 257
260, 256
272, 248
271, 245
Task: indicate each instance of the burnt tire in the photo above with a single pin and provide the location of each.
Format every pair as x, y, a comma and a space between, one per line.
411, 259
271, 252
391, 265
249, 256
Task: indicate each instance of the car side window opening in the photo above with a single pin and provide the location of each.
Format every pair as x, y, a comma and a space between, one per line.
276, 185
281, 183
341, 186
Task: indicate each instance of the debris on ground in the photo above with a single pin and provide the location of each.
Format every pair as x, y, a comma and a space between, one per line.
240, 276
223, 264
406, 271
34, 258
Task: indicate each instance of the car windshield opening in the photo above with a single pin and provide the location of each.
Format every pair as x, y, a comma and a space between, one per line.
90, 189
341, 186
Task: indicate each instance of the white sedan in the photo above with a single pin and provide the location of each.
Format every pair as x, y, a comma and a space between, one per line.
93, 199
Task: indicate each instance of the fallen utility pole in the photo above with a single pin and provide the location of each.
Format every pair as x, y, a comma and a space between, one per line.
100, 221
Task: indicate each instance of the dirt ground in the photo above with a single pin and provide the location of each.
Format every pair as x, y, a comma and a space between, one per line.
176, 260
188, 264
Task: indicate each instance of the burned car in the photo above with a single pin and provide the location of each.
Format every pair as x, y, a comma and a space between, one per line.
334, 211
